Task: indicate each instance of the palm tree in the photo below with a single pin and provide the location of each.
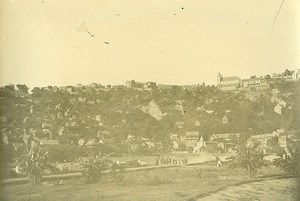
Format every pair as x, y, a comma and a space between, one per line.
36, 164
288, 160
95, 167
250, 159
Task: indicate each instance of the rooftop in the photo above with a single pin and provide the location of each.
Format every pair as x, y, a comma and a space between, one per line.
232, 78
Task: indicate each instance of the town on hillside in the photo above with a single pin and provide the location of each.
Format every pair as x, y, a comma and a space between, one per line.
149, 133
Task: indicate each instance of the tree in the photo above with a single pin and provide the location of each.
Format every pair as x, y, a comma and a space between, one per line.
287, 72
288, 160
268, 77
36, 164
22, 88
10, 90
97, 166
37, 92
250, 159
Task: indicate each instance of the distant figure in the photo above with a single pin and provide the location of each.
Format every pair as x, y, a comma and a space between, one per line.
219, 164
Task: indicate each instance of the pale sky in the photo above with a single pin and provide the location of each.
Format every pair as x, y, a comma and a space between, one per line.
166, 41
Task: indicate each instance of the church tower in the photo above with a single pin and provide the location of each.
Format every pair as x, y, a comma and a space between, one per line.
219, 78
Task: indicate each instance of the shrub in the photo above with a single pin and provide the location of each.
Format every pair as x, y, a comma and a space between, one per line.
288, 161
250, 159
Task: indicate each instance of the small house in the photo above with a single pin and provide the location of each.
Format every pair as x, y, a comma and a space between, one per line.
191, 138
179, 124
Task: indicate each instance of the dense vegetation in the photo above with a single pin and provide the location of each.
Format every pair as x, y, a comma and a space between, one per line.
123, 111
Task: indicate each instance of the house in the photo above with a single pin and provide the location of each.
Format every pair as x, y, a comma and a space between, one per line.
190, 87
213, 146
260, 138
81, 99
107, 141
48, 133
146, 142
47, 125
70, 89
150, 85
5, 139
282, 103
179, 145
191, 138
3, 122
209, 111
133, 141
225, 120
140, 85
174, 137
199, 145
288, 75
276, 76
88, 143
103, 134
79, 87
283, 137
200, 108
228, 83
252, 82
130, 84
98, 118
31, 109
94, 85
179, 124
55, 89
296, 74
120, 86
225, 136
277, 109
165, 86
197, 123
49, 142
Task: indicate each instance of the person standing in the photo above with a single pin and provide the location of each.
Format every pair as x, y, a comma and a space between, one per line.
219, 163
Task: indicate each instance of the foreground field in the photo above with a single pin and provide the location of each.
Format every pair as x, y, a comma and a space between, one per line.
179, 183
280, 189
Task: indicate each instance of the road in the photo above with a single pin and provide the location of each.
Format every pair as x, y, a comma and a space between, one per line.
76, 174
275, 190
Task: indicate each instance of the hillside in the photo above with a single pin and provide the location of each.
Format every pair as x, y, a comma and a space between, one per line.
84, 111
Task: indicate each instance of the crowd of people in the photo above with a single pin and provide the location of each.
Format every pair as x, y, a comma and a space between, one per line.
165, 160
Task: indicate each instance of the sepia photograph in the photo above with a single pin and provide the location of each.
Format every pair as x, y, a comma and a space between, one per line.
149, 100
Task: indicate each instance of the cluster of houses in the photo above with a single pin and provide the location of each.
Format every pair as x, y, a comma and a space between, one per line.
131, 84
281, 138
195, 143
133, 143
235, 83
150, 86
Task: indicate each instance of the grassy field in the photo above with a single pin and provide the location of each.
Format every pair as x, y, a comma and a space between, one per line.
179, 183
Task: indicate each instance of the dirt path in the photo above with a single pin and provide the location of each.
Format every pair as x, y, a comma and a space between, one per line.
275, 190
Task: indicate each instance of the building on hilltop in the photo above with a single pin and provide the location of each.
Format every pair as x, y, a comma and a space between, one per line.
140, 85
118, 86
252, 82
228, 83
255, 83
296, 74
288, 75
166, 86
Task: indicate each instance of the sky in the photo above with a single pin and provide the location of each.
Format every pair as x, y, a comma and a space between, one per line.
171, 41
